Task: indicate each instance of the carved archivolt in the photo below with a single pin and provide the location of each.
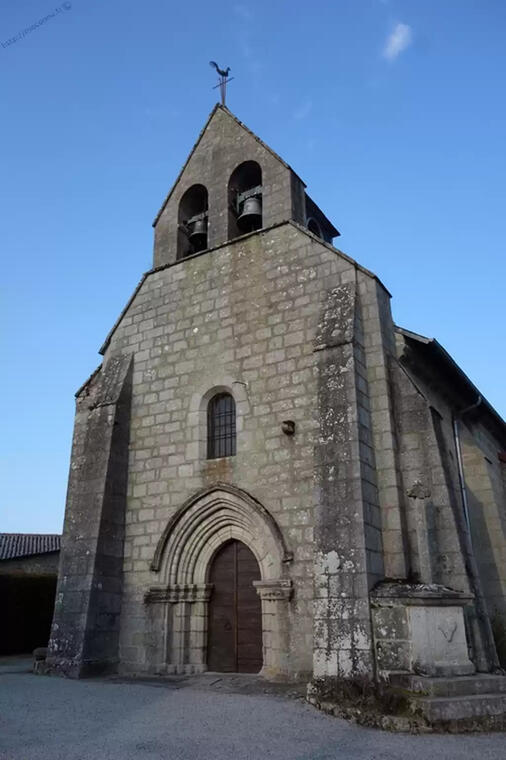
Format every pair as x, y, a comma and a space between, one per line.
204, 523
182, 561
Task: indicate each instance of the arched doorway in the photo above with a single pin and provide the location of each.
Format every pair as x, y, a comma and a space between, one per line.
235, 611
178, 605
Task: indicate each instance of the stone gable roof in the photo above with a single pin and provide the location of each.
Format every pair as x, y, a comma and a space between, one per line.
224, 109
14, 545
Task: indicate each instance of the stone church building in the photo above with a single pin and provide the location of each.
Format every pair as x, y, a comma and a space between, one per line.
268, 475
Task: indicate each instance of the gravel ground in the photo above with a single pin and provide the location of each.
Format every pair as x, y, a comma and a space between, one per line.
44, 718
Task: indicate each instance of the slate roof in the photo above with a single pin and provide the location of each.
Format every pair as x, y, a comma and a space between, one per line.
430, 350
14, 545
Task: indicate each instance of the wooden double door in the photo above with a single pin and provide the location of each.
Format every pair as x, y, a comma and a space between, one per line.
235, 612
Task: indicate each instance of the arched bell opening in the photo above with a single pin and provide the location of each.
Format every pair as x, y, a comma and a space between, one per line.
234, 635
192, 221
245, 199
314, 227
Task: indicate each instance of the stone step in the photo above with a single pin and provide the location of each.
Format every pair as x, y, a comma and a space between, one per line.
474, 706
456, 686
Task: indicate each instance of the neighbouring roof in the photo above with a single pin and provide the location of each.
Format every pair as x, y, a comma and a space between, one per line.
15, 545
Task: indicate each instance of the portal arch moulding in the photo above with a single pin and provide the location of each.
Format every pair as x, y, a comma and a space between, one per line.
181, 563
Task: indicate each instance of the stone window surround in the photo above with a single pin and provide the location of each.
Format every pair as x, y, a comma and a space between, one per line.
196, 422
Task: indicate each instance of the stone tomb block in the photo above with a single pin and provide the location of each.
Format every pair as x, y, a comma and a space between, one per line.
419, 628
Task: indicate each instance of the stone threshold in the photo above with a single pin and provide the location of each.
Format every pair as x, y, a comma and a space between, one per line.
234, 683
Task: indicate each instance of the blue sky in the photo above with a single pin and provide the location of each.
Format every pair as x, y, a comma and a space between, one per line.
393, 112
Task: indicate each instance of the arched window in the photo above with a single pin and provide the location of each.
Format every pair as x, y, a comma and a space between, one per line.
221, 433
192, 222
245, 199
314, 227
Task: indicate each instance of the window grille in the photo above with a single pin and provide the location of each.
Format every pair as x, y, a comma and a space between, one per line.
221, 434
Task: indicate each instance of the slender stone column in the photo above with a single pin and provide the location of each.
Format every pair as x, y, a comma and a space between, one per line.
158, 626
186, 625
275, 595
198, 627
180, 615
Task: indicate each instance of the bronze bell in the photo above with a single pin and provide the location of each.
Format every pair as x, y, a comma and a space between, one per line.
251, 214
198, 234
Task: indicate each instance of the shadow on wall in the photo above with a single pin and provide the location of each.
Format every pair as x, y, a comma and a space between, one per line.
27, 610
488, 571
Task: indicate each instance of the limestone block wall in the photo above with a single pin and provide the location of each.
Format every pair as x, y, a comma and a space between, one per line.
434, 514
243, 317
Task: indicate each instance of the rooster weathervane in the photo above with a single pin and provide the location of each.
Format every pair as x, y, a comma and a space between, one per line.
224, 79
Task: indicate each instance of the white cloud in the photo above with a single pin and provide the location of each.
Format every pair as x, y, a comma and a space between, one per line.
398, 40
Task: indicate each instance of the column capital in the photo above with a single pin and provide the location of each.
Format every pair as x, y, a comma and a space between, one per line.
188, 592
274, 590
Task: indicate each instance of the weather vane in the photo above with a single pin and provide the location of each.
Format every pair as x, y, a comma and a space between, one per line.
224, 79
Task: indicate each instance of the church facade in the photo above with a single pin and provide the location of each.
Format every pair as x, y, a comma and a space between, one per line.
268, 475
